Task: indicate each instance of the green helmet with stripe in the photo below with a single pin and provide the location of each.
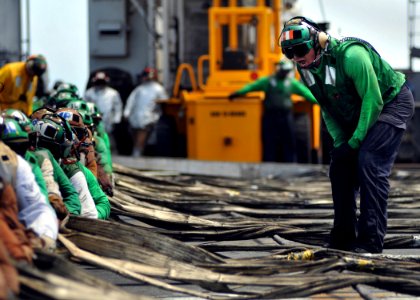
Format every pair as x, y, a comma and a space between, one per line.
20, 117
94, 112
15, 136
78, 105
55, 134
13, 131
68, 87
299, 31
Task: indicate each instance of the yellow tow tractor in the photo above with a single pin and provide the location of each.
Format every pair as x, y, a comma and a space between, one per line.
242, 48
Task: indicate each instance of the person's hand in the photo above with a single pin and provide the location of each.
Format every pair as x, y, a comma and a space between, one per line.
234, 95
58, 205
109, 191
342, 152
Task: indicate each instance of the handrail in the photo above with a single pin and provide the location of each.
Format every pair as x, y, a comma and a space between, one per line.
178, 77
200, 62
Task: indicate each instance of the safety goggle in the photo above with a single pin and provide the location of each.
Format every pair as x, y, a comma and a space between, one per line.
69, 116
299, 50
48, 131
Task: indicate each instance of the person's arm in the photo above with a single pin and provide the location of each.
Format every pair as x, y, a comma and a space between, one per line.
34, 212
79, 182
358, 67
161, 95
36, 170
258, 85
30, 94
117, 108
334, 129
67, 190
88, 95
297, 87
101, 200
6, 85
130, 103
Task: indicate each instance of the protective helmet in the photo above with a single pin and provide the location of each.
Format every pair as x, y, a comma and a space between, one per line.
13, 131
15, 136
75, 120
285, 65
37, 64
61, 98
298, 36
20, 117
68, 87
55, 134
149, 73
78, 105
41, 112
100, 78
87, 119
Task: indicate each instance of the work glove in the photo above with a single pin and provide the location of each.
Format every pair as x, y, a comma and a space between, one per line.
58, 205
342, 153
234, 95
109, 191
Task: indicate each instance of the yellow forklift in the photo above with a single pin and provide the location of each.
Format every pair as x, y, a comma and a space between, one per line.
242, 48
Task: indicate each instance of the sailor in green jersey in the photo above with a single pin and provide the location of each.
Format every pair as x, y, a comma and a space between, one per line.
18, 139
277, 128
55, 134
57, 184
366, 106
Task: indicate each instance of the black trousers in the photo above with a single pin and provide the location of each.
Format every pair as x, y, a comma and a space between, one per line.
278, 136
366, 173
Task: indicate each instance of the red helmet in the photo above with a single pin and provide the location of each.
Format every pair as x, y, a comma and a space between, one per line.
149, 73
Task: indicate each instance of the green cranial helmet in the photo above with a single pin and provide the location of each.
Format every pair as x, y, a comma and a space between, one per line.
68, 87
55, 134
78, 104
20, 117
15, 136
13, 131
285, 64
298, 31
87, 120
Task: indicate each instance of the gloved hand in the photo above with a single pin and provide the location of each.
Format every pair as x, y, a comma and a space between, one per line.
108, 190
233, 96
343, 152
58, 205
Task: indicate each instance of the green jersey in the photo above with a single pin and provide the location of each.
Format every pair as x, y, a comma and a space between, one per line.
352, 84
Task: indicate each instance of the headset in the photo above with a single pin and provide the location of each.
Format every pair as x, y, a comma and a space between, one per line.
320, 38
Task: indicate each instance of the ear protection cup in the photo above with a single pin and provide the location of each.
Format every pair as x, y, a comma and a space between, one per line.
322, 39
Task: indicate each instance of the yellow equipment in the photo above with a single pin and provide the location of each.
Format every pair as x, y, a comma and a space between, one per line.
242, 47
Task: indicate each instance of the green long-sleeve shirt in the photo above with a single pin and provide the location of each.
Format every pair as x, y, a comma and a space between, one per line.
352, 84
32, 160
277, 91
101, 200
68, 192
104, 154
